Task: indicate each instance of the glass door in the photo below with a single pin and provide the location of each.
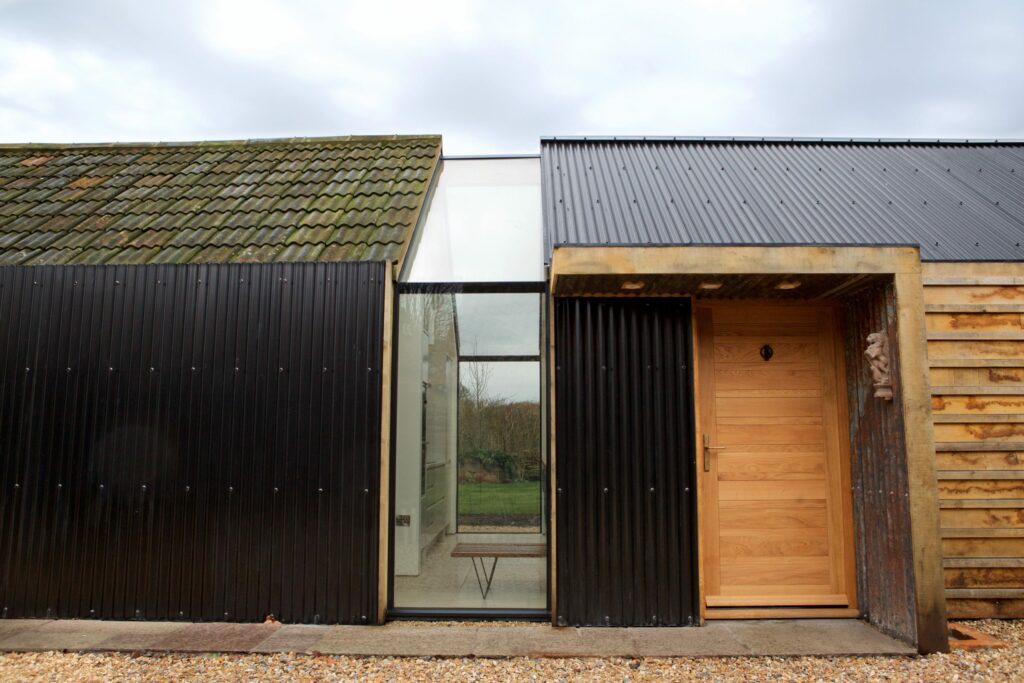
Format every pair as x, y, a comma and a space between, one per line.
470, 527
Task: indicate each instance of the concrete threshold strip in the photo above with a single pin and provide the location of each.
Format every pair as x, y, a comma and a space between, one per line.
420, 639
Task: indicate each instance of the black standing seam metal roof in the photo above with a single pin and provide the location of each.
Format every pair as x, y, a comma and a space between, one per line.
959, 200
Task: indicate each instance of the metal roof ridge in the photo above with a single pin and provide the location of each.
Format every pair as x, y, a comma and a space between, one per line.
730, 245
242, 142
809, 140
490, 157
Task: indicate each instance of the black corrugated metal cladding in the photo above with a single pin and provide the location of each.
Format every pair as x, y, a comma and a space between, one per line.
192, 442
626, 502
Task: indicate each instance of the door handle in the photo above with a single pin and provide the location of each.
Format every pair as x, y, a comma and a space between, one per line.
707, 452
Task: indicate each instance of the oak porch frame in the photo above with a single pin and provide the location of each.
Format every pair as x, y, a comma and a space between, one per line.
384, 488
903, 263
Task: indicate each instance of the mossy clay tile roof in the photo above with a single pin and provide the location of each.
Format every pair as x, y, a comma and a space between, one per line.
298, 199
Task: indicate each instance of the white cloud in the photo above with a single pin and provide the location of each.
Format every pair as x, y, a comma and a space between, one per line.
653, 105
398, 22
77, 95
236, 27
492, 77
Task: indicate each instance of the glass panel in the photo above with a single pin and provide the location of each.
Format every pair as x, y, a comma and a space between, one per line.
498, 324
469, 456
499, 466
483, 225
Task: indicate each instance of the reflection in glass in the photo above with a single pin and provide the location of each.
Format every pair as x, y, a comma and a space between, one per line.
484, 224
469, 455
498, 324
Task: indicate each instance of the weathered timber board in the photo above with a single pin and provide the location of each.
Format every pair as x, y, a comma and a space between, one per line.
974, 326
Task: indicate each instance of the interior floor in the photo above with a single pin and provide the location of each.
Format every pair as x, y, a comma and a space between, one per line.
447, 582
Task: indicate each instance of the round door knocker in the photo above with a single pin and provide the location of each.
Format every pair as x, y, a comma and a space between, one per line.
767, 352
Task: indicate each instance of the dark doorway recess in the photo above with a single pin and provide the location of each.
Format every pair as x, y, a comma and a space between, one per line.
195, 442
625, 467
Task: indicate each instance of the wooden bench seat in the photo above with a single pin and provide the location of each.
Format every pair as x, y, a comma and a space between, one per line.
478, 551
500, 550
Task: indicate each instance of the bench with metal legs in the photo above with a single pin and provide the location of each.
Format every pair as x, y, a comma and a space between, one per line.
487, 577
482, 551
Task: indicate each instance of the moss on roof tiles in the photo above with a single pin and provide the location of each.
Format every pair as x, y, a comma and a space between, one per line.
132, 256
97, 222
11, 257
34, 240
329, 202
73, 240
25, 223
175, 255
312, 235
262, 254
323, 217
245, 219
191, 237
59, 223
270, 236
8, 240
350, 198
343, 252
214, 254
152, 238
233, 236
300, 252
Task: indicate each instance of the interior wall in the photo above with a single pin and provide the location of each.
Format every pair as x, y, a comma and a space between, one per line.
975, 327
442, 393
885, 574
426, 353
408, 424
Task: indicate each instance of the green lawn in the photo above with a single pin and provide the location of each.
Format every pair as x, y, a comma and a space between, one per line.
515, 498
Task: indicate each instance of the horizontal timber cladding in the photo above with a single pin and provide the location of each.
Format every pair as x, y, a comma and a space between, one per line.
625, 499
976, 353
193, 442
881, 509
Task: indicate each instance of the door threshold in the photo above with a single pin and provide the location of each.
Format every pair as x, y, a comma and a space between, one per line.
469, 614
781, 613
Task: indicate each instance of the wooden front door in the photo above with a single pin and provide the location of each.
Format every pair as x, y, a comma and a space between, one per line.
775, 507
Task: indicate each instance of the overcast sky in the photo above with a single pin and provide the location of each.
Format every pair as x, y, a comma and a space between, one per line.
493, 77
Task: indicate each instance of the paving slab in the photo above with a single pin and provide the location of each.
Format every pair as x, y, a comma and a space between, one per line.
399, 641
56, 635
545, 641
294, 638
712, 640
411, 639
10, 627
216, 637
138, 635
814, 637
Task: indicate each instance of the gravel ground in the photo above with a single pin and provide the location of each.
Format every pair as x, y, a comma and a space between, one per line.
980, 665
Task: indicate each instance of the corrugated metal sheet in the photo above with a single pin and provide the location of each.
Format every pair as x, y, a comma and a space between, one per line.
625, 499
195, 442
885, 575
958, 201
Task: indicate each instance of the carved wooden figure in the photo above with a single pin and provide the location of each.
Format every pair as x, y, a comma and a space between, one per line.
877, 354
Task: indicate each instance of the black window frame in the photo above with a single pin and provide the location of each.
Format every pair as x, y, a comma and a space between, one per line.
544, 360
